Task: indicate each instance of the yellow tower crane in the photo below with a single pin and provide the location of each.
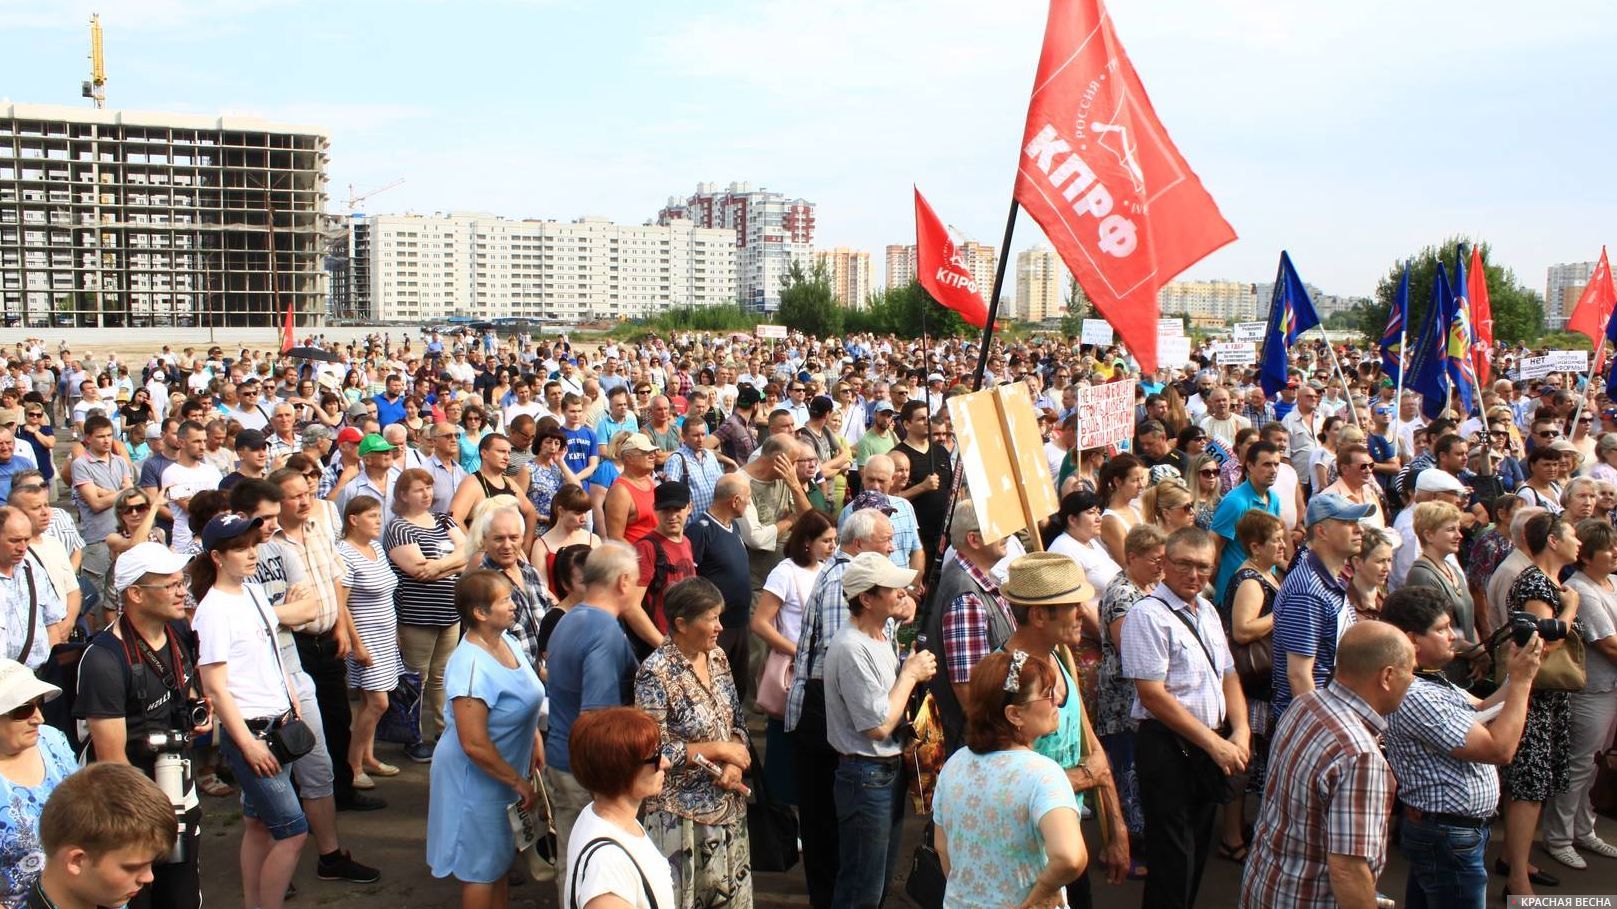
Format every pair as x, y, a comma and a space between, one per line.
96, 88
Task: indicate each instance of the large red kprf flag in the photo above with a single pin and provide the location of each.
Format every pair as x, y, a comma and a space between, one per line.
1100, 175
1593, 310
941, 271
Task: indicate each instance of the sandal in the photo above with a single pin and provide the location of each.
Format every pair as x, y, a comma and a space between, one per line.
1236, 853
1137, 870
210, 784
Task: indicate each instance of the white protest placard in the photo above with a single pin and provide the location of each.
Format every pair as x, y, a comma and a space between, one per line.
1098, 332
772, 332
1536, 367
1105, 414
1173, 352
1170, 327
1250, 331
1569, 360
1235, 353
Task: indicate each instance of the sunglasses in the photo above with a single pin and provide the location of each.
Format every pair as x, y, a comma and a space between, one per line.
25, 711
1548, 433
1209, 473
135, 509
654, 760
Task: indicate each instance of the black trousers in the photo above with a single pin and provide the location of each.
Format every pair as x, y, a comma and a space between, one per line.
330, 675
816, 765
735, 640
1179, 822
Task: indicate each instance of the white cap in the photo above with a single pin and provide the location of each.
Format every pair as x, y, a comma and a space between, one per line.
18, 686
1434, 479
872, 569
143, 559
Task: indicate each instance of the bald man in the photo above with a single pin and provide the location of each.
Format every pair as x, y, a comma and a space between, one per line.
1321, 837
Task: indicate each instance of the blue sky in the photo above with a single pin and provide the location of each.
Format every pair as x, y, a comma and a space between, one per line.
1348, 132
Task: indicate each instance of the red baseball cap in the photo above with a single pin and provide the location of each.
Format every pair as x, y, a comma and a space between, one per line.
349, 434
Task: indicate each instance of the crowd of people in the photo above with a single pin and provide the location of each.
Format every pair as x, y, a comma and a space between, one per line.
575, 578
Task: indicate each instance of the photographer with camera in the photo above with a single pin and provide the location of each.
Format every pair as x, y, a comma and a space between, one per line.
1444, 752
139, 695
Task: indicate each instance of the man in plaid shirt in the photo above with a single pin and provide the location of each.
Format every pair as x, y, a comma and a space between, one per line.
1321, 837
969, 618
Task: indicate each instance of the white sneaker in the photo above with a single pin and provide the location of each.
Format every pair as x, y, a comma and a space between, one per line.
1567, 856
1598, 846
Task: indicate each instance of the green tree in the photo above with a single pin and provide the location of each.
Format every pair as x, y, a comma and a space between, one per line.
807, 303
1518, 312
905, 311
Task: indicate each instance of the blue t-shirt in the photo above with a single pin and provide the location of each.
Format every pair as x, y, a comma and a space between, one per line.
42, 455
989, 806
1381, 449
1311, 611
1238, 502
389, 412
581, 446
591, 666
606, 427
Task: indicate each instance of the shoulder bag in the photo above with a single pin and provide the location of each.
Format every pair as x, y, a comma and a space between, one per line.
776, 678
588, 852
771, 826
288, 738
1254, 660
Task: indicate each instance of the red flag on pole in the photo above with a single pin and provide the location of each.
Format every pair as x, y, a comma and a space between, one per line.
1100, 175
1476, 279
940, 269
1593, 310
288, 341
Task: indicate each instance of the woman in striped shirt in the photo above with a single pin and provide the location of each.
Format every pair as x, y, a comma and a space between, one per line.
425, 550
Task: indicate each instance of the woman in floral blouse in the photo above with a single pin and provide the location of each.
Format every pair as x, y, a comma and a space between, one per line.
699, 821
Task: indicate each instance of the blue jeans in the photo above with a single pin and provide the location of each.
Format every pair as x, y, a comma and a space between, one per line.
1445, 865
870, 810
270, 800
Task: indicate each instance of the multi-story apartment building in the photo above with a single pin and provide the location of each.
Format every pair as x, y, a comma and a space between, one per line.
415, 268
1563, 284
1039, 279
1211, 301
900, 265
849, 271
117, 218
770, 232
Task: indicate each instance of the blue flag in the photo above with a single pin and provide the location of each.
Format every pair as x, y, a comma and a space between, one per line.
1428, 358
1611, 341
1291, 313
1392, 340
1462, 368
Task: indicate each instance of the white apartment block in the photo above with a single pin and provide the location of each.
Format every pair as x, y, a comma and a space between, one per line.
416, 268
1563, 284
849, 271
1039, 277
114, 218
769, 231
1211, 301
980, 259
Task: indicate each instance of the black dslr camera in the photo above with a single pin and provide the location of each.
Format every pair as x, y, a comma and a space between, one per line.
1523, 626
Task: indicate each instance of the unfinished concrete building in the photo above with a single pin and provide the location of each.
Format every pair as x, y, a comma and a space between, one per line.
122, 218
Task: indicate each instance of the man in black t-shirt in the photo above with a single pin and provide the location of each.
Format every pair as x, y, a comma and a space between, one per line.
721, 557
135, 680
931, 474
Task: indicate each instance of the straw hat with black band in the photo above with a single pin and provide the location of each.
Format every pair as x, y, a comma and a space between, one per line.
1046, 579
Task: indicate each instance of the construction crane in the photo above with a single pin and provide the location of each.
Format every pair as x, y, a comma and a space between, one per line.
354, 200
96, 88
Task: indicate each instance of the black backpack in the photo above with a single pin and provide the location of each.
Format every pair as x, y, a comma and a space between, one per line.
61, 669
653, 597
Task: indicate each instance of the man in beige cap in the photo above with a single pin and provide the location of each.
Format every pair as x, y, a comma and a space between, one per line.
1046, 592
866, 693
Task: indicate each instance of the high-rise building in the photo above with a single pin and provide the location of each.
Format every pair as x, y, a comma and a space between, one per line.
1210, 301
1039, 276
1562, 286
771, 232
849, 271
979, 258
415, 268
116, 218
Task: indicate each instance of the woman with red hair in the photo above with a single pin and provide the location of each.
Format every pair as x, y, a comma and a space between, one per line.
616, 754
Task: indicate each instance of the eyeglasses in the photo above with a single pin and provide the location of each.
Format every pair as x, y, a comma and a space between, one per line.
1190, 567
25, 711
172, 586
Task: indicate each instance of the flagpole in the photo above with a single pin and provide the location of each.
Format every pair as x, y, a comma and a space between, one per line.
1588, 385
1398, 395
1352, 411
993, 302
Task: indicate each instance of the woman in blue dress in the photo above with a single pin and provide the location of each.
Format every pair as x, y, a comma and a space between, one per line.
490, 746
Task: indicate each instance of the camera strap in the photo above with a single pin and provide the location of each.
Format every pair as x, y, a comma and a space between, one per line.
177, 681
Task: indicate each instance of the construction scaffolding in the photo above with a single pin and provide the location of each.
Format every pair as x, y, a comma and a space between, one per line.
113, 219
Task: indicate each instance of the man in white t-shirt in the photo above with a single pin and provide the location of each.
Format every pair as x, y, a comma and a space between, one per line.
524, 403
186, 477
248, 411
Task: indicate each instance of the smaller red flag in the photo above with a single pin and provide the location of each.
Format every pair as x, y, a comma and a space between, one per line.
1481, 312
287, 340
940, 269
1594, 306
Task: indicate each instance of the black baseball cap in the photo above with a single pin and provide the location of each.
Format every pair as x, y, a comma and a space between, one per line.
251, 440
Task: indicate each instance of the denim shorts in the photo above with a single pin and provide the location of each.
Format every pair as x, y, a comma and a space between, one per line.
270, 800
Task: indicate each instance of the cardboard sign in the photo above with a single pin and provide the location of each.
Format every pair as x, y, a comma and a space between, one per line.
1170, 327
1569, 360
1235, 353
772, 332
1002, 456
1097, 331
1106, 413
1173, 353
1250, 331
